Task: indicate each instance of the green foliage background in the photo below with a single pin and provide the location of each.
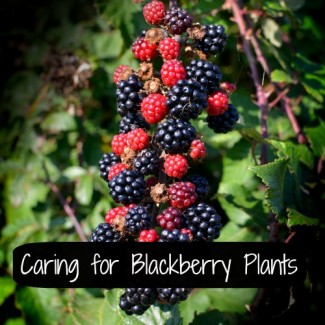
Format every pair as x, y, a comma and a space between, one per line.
50, 135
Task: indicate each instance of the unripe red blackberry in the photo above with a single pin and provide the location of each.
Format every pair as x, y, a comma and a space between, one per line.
170, 218
182, 194
118, 71
148, 236
137, 139
119, 143
177, 20
187, 99
169, 48
217, 103
174, 135
171, 72
154, 12
197, 150
228, 87
118, 212
175, 166
143, 50
153, 108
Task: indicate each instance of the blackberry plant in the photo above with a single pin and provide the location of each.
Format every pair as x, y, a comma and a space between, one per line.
157, 143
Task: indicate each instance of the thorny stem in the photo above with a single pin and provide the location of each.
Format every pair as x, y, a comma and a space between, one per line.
260, 95
67, 208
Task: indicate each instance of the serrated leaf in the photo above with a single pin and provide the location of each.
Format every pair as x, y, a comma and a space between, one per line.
74, 172
7, 286
316, 137
272, 175
59, 121
234, 233
84, 189
40, 306
295, 218
313, 91
250, 134
271, 31
280, 76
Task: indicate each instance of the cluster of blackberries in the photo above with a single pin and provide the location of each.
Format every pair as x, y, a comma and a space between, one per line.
148, 166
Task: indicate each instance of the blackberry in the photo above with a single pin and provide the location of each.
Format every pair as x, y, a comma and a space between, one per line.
206, 73
147, 162
175, 135
225, 122
172, 236
214, 40
133, 121
128, 95
177, 20
127, 187
187, 99
137, 219
106, 162
202, 187
105, 233
203, 222
173, 295
135, 301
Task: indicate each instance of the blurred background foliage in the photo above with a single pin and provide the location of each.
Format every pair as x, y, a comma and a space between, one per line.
58, 114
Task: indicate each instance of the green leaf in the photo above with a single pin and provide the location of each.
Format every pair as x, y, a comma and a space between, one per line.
74, 172
216, 317
84, 189
316, 137
280, 76
40, 306
59, 121
231, 232
272, 175
7, 286
271, 31
15, 321
294, 4
296, 218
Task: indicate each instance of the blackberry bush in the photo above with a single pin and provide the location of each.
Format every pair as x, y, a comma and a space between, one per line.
156, 144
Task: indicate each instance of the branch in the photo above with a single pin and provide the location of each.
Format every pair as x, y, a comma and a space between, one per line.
260, 95
68, 210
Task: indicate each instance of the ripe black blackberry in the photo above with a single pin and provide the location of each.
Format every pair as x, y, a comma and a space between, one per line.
128, 95
105, 233
135, 301
202, 187
214, 40
106, 162
225, 122
133, 121
187, 99
174, 135
127, 187
203, 222
137, 219
173, 295
147, 162
206, 73
177, 20
173, 236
